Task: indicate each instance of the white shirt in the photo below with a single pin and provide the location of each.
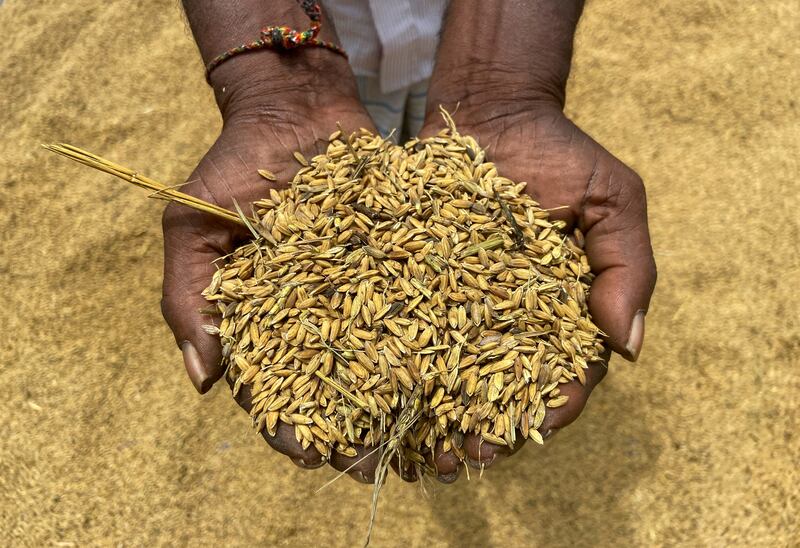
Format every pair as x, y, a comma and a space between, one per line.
393, 40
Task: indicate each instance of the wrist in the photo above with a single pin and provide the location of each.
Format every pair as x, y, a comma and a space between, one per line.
266, 80
267, 83
495, 118
511, 56
475, 99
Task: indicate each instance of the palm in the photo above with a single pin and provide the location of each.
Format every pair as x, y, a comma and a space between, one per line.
584, 185
557, 160
228, 175
560, 163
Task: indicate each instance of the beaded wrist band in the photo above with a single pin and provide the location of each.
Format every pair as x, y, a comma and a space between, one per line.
283, 38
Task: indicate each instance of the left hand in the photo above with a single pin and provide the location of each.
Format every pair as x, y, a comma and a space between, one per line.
604, 198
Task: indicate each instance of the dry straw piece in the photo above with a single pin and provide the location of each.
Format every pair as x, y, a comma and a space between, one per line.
160, 190
387, 271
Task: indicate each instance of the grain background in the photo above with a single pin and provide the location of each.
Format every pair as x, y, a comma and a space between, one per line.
103, 441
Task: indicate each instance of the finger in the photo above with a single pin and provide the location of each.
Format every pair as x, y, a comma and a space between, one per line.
361, 467
191, 243
482, 454
284, 441
408, 472
559, 417
614, 219
447, 465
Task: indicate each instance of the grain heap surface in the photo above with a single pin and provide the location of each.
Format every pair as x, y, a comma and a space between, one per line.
390, 278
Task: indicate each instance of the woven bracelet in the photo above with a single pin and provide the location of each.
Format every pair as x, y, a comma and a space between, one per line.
283, 38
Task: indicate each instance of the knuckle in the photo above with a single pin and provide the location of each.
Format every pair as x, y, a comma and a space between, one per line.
636, 189
165, 308
168, 217
626, 189
651, 272
600, 375
168, 305
652, 268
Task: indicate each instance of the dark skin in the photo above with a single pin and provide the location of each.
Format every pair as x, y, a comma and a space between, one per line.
264, 121
509, 97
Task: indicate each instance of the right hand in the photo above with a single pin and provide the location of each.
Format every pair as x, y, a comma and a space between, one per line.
254, 136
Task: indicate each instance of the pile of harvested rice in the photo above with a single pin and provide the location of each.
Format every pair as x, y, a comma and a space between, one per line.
399, 296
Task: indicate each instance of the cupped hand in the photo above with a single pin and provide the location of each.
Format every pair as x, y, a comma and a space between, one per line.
228, 172
591, 190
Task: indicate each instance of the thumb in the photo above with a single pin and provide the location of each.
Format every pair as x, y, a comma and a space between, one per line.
614, 218
191, 243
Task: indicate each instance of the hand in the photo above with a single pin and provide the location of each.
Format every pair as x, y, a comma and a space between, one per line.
510, 94
251, 139
272, 105
534, 142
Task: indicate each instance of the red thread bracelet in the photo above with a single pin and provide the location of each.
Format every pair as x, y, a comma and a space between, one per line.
283, 38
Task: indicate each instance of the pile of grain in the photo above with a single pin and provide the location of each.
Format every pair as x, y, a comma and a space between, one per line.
390, 279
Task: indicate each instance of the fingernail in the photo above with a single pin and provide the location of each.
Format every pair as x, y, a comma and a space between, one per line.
550, 433
635, 336
302, 463
358, 475
195, 368
449, 478
476, 464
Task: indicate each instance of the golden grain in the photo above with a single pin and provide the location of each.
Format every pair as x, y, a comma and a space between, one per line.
404, 279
